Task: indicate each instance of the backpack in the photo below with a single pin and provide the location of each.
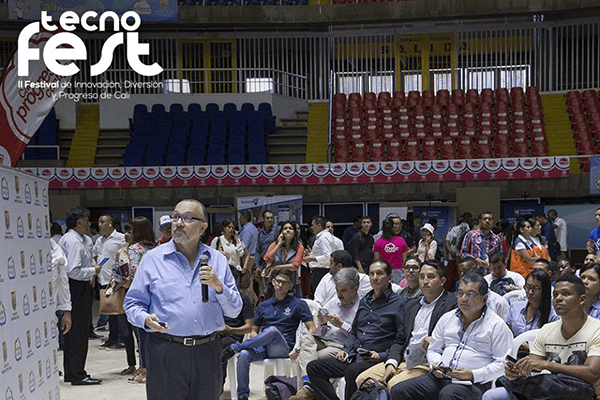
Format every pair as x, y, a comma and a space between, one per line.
456, 244
497, 285
370, 389
280, 387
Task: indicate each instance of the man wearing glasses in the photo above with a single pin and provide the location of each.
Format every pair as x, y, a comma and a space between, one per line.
467, 349
279, 318
165, 298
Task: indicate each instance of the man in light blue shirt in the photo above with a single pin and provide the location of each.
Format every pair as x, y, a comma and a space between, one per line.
248, 233
165, 298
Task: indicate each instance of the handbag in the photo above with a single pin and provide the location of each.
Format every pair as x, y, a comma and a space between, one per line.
112, 304
370, 389
280, 387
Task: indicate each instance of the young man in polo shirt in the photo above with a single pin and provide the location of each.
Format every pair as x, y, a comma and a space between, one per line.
279, 318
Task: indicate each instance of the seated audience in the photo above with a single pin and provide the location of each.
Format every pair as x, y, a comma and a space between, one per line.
279, 318
374, 330
590, 275
565, 267
326, 290
464, 264
334, 322
569, 349
495, 302
467, 349
537, 310
500, 280
409, 360
411, 274
235, 329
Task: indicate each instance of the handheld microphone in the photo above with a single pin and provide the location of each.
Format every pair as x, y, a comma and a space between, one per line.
204, 263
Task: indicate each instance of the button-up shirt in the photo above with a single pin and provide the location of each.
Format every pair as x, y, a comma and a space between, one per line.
376, 323
107, 247
409, 293
517, 319
477, 245
60, 280
285, 315
249, 235
166, 285
481, 347
265, 238
325, 291
78, 250
594, 310
346, 312
322, 249
361, 248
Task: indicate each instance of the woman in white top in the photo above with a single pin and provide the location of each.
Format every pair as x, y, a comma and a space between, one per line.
232, 248
427, 246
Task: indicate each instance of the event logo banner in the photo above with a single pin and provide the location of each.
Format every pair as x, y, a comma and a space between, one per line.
595, 175
149, 10
306, 174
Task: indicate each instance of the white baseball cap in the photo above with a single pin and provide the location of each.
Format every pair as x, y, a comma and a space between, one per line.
165, 220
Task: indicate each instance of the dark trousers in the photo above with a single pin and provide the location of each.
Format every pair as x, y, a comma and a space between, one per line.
316, 274
428, 387
141, 335
178, 372
76, 340
113, 329
319, 372
126, 333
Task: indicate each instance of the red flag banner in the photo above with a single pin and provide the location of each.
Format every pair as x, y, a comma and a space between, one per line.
26, 100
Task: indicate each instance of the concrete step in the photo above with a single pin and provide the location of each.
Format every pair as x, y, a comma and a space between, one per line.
287, 148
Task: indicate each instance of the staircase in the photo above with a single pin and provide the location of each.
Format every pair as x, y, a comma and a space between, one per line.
111, 147
558, 128
318, 126
85, 137
288, 144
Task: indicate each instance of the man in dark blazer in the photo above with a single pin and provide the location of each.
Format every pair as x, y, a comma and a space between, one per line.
408, 355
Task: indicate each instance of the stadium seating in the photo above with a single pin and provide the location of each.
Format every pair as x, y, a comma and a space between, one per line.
444, 125
584, 114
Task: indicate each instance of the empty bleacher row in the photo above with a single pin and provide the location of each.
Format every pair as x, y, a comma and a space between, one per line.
445, 125
584, 114
199, 137
46, 136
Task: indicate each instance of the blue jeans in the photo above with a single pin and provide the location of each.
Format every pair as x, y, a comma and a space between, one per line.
270, 343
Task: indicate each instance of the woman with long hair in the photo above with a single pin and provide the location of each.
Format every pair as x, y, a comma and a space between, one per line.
537, 310
590, 275
286, 253
139, 234
391, 247
540, 244
232, 248
523, 253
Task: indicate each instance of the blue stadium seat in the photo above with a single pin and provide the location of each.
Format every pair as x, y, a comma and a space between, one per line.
236, 158
179, 140
158, 108
218, 127
229, 109
247, 107
30, 153
198, 117
257, 155
196, 155
211, 108
194, 108
176, 108
47, 154
267, 115
175, 155
133, 161
216, 157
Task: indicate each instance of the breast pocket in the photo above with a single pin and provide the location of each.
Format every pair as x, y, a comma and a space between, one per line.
169, 290
482, 341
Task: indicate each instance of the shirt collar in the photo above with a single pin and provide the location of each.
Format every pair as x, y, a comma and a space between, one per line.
275, 301
386, 294
458, 314
169, 248
350, 303
423, 302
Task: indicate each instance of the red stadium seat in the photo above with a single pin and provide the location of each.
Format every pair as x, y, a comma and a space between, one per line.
485, 110
355, 97
502, 95
436, 129
472, 96
359, 152
394, 150
458, 97
502, 109
342, 156
430, 149
484, 148
411, 150
539, 149
448, 149
372, 131
520, 150
377, 151
469, 111
452, 112
339, 98
465, 147
436, 112
501, 150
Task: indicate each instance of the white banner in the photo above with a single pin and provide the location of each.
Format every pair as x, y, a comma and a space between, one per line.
28, 329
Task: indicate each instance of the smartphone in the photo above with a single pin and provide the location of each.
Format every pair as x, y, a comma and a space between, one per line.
104, 260
511, 359
323, 311
163, 324
362, 351
445, 370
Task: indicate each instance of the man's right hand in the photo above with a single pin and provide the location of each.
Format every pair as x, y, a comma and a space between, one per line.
97, 268
341, 356
390, 372
152, 323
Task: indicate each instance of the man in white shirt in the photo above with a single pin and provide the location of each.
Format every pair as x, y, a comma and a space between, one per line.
81, 271
60, 283
106, 248
500, 280
337, 242
318, 258
326, 290
466, 352
560, 230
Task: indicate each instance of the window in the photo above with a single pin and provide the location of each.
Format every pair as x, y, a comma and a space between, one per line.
349, 83
442, 79
517, 76
260, 85
382, 83
413, 82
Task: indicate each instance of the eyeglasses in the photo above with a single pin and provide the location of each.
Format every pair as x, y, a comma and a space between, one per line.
280, 282
187, 218
535, 289
411, 267
469, 295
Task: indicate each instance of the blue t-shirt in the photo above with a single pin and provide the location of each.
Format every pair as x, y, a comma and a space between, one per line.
285, 315
595, 237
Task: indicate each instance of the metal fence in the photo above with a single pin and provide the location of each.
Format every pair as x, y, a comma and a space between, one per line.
552, 56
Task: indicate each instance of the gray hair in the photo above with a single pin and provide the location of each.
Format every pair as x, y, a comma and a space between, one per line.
347, 276
202, 208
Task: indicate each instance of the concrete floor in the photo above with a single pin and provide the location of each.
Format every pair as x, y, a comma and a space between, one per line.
107, 366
